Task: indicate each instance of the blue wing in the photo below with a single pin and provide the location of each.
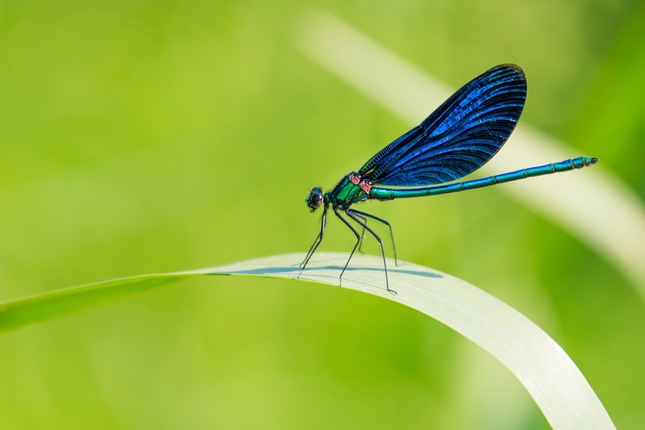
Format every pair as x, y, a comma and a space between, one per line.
459, 137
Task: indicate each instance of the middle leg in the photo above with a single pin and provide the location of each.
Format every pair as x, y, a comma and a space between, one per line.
351, 213
365, 215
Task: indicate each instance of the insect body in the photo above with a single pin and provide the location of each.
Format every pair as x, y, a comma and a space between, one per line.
459, 137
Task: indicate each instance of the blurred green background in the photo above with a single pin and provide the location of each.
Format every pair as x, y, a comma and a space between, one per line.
140, 136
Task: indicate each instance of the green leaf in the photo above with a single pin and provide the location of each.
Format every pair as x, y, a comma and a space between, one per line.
549, 375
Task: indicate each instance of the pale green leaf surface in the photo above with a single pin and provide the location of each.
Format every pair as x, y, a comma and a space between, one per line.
549, 375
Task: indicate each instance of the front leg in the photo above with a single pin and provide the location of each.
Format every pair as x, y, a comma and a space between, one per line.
317, 241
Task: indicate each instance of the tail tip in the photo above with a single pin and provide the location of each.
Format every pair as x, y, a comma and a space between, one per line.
593, 160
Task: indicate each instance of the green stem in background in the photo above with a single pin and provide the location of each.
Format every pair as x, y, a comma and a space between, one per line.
549, 375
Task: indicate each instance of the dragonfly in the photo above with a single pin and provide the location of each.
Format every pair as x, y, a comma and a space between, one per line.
456, 139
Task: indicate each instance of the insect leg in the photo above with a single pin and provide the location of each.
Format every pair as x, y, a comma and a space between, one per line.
360, 244
352, 214
358, 239
366, 215
319, 238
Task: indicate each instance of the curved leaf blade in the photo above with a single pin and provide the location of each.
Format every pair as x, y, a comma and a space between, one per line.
549, 375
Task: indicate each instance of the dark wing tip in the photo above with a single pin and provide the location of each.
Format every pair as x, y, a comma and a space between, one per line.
514, 67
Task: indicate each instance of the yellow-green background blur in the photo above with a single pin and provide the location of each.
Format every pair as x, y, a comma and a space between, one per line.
149, 136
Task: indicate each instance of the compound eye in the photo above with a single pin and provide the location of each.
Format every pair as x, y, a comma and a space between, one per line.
315, 198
